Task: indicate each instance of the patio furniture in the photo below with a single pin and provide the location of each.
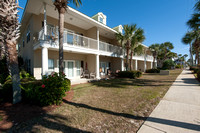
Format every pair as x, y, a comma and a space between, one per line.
86, 74
92, 75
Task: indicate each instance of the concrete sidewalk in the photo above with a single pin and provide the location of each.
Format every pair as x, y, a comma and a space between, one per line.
179, 110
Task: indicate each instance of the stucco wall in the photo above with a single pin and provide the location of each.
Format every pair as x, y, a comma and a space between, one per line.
37, 64
91, 63
141, 65
148, 65
115, 64
26, 52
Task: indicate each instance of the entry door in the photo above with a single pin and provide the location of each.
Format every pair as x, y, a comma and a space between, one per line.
70, 69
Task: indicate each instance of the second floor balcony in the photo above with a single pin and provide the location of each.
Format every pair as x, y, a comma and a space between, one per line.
77, 42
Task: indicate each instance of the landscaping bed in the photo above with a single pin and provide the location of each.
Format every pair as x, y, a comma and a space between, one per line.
118, 105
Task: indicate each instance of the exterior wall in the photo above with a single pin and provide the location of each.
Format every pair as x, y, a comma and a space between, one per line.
104, 39
148, 65
27, 52
91, 63
37, 64
141, 65
92, 33
134, 65
116, 64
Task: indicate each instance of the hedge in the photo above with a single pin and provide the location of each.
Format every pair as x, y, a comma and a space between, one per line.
153, 70
130, 74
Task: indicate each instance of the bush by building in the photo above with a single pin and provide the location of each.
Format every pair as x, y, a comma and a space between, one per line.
154, 70
50, 90
130, 74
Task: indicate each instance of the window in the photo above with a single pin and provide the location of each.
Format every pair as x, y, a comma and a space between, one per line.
70, 38
50, 64
101, 19
78, 68
28, 36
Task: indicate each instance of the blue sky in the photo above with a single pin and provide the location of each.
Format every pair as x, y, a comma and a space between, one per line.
162, 20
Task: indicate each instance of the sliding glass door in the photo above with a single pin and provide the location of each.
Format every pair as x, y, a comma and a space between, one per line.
70, 69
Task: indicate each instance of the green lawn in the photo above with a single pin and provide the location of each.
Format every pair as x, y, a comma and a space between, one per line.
118, 105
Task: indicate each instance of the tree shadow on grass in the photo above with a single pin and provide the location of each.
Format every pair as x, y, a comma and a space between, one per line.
122, 83
185, 125
28, 118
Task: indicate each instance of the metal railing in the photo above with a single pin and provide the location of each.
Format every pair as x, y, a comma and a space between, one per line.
72, 39
103, 46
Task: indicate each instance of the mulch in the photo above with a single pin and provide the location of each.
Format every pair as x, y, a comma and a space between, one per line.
13, 114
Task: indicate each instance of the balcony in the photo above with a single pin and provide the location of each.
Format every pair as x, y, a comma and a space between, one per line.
72, 40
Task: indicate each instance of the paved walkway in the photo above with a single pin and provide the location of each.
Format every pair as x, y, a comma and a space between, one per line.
179, 110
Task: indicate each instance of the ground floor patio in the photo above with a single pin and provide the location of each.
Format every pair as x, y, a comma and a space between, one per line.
80, 65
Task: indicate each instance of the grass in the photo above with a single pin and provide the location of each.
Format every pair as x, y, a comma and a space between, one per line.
118, 105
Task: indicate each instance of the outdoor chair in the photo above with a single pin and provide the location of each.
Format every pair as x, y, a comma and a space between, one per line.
86, 74
92, 75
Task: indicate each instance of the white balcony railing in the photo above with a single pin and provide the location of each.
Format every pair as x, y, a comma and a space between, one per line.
72, 39
110, 48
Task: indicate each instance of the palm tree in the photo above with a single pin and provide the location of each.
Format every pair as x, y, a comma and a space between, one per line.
61, 6
125, 40
8, 37
197, 6
155, 49
187, 39
136, 47
165, 48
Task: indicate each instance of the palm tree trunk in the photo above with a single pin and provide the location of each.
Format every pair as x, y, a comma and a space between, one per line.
197, 54
154, 59
14, 69
61, 31
191, 55
127, 58
131, 60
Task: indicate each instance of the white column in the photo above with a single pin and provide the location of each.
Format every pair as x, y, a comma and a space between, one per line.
97, 66
156, 65
97, 56
122, 64
145, 61
44, 61
45, 21
151, 65
136, 65
98, 39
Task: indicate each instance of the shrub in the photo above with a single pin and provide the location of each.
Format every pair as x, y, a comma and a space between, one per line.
195, 70
130, 74
168, 64
178, 66
198, 74
153, 70
7, 91
51, 91
3, 70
